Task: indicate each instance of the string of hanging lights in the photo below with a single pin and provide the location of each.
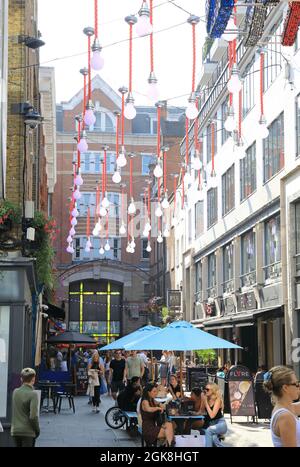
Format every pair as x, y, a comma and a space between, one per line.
130, 111
89, 116
97, 61
153, 91
192, 110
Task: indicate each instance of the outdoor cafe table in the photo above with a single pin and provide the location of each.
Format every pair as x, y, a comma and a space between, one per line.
180, 419
48, 385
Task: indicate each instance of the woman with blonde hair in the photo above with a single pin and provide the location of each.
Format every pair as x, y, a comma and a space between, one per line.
214, 424
95, 371
282, 384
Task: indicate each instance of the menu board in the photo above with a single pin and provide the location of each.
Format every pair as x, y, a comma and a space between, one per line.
241, 393
81, 379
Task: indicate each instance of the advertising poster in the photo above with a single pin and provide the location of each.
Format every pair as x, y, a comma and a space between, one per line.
241, 393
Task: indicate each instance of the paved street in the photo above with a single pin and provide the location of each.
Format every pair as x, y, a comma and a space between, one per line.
87, 429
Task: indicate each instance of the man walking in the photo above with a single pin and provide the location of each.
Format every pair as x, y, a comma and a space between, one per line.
25, 411
134, 366
117, 370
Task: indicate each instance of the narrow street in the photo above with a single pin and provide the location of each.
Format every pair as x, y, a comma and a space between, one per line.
87, 429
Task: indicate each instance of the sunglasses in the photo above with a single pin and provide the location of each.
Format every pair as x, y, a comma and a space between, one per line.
206, 389
295, 384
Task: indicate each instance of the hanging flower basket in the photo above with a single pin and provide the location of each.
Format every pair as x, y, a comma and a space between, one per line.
5, 225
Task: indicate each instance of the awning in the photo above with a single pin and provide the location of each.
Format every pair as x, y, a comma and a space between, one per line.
55, 312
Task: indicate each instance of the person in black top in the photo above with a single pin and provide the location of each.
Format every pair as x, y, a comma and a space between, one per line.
174, 387
214, 424
117, 368
128, 398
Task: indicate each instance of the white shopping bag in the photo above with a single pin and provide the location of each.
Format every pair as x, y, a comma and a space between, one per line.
190, 441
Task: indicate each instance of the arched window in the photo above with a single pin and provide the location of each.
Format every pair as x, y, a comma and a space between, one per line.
104, 123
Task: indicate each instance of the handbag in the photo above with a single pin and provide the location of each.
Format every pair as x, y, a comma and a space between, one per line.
103, 385
189, 441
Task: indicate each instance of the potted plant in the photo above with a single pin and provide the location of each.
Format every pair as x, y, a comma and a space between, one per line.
9, 214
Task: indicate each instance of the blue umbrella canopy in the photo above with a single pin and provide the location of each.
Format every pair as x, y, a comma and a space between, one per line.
181, 336
132, 337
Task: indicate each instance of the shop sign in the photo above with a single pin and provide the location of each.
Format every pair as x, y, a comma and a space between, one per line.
241, 392
246, 301
174, 298
271, 296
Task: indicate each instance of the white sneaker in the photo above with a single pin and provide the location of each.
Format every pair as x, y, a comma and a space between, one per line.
94, 409
97, 410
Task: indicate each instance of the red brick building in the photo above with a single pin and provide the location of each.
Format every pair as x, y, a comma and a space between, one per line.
106, 293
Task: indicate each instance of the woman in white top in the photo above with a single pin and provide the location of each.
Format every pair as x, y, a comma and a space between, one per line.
283, 385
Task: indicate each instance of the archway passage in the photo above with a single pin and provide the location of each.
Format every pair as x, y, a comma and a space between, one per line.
95, 308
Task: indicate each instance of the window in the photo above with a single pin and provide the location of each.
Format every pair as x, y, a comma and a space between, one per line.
199, 218
190, 233
272, 244
4, 346
145, 253
177, 253
114, 207
249, 91
210, 129
212, 206
224, 112
298, 126
273, 58
228, 285
88, 200
141, 124
91, 162
81, 255
228, 191
274, 148
104, 123
147, 159
212, 275
248, 254
248, 172
198, 277
297, 236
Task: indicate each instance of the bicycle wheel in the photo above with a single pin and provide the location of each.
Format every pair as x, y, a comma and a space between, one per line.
114, 418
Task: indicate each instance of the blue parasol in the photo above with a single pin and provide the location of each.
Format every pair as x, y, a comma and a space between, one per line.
145, 331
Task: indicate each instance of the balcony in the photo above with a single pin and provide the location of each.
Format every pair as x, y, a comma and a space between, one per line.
206, 73
248, 279
228, 286
272, 272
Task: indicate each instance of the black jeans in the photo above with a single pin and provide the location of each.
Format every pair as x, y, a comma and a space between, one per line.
96, 398
24, 441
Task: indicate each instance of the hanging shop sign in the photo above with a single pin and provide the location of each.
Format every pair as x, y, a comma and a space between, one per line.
174, 299
291, 24
241, 392
221, 11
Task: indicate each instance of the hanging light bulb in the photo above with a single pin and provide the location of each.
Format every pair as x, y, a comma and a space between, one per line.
191, 110
101, 251
187, 178
74, 221
121, 160
132, 243
197, 162
158, 171
158, 211
148, 248
263, 131
144, 26
102, 212
69, 239
105, 202
165, 204
153, 91
75, 212
96, 230
123, 229
89, 116
234, 85
166, 232
77, 194
130, 111
97, 61
160, 238
231, 31
131, 207
128, 248
82, 146
70, 249
213, 179
240, 149
229, 123
72, 232
145, 233
89, 243
148, 226
107, 246
87, 248
116, 178
78, 179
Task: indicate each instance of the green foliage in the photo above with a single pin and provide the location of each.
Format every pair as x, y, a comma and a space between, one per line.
207, 357
9, 211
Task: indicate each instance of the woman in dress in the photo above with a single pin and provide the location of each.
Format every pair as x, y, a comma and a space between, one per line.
153, 429
281, 382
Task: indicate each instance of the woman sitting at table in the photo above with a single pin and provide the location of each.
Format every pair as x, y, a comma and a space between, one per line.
153, 428
174, 387
215, 424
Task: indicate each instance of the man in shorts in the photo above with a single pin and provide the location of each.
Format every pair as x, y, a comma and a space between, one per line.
117, 377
